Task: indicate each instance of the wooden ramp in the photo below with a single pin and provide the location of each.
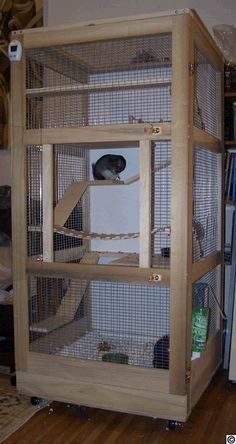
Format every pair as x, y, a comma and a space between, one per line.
69, 304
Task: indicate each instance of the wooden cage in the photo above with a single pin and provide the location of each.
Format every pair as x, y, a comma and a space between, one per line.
106, 277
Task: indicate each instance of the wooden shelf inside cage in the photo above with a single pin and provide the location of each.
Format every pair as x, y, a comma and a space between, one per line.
93, 87
76, 190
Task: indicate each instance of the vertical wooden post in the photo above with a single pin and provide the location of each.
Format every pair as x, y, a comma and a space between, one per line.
145, 204
181, 206
19, 244
47, 197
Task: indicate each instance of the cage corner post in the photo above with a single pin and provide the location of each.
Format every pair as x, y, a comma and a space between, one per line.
19, 205
181, 207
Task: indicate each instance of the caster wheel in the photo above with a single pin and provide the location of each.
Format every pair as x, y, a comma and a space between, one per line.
13, 375
35, 401
172, 425
13, 380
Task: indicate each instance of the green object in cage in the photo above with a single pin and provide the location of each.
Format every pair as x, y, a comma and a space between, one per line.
200, 321
118, 358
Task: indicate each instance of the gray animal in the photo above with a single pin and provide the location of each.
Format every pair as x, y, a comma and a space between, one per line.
108, 167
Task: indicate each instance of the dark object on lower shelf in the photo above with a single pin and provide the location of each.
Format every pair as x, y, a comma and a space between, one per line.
118, 358
165, 252
161, 353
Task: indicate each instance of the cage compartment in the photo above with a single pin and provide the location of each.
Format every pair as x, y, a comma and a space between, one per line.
150, 87
105, 213
128, 318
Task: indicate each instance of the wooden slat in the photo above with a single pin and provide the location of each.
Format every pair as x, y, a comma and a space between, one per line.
47, 198
145, 204
98, 384
84, 32
70, 302
205, 264
206, 140
181, 204
100, 272
52, 341
67, 203
49, 324
19, 223
98, 134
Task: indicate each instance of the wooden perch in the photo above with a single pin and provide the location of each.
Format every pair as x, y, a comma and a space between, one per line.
91, 235
70, 198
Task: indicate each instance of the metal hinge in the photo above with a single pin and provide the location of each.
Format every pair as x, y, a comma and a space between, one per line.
188, 375
191, 67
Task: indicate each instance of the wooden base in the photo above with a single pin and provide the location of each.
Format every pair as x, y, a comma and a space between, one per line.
117, 387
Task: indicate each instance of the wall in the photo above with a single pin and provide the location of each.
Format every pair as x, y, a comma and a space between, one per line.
59, 12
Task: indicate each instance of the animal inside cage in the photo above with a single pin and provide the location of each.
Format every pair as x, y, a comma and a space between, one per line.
119, 176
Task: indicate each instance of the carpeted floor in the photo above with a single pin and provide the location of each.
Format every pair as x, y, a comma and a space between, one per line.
15, 409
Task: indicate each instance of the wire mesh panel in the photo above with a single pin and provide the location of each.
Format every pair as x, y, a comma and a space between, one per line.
161, 202
206, 203
106, 82
206, 294
71, 165
34, 200
99, 320
206, 95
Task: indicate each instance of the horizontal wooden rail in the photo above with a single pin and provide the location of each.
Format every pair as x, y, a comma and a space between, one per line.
99, 134
135, 275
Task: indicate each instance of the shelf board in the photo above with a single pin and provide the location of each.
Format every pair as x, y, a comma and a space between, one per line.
230, 142
230, 94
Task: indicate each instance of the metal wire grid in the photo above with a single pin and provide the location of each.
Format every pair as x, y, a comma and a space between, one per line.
206, 95
205, 295
161, 202
34, 200
106, 82
106, 317
71, 164
206, 189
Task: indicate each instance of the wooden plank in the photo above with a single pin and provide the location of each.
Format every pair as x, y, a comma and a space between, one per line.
47, 198
72, 299
21, 329
145, 204
70, 198
100, 272
70, 302
181, 205
130, 389
93, 87
206, 264
206, 140
49, 324
121, 375
102, 30
98, 134
56, 339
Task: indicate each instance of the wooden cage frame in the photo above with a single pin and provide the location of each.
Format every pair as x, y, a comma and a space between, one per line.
152, 392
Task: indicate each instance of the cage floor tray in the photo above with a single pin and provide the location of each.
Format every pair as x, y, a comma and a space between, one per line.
95, 344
